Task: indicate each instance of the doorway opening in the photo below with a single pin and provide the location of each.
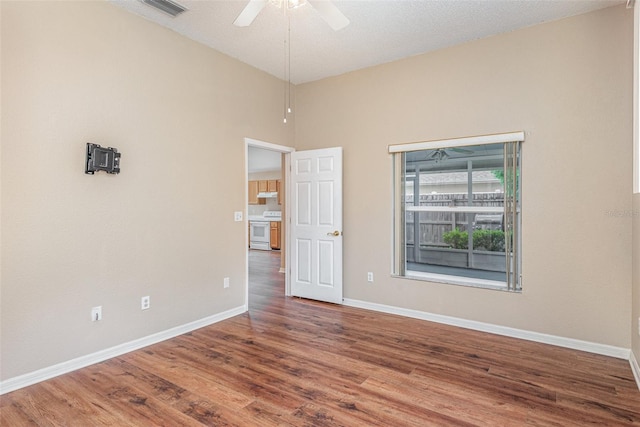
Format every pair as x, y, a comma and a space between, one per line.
267, 167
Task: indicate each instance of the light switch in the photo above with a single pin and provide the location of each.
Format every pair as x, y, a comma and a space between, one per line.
237, 216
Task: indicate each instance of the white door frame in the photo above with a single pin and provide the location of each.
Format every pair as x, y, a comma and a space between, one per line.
249, 142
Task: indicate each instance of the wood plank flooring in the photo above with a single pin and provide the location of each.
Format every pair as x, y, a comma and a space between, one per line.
292, 362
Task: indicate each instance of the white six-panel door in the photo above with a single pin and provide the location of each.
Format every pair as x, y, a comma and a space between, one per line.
316, 224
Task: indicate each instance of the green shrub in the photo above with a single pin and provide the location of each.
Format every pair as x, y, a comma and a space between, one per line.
489, 240
456, 239
484, 240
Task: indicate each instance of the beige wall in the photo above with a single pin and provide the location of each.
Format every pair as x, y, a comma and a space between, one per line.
568, 84
635, 318
77, 72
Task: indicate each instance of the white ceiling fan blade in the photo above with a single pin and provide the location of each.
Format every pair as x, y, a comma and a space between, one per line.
330, 13
249, 13
461, 150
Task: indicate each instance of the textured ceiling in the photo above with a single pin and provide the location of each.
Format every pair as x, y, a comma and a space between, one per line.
380, 30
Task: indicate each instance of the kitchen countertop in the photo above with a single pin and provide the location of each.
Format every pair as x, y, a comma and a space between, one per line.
263, 219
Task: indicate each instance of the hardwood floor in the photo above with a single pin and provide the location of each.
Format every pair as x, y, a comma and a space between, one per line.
292, 362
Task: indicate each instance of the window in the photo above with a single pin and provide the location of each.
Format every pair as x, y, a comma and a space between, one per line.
457, 211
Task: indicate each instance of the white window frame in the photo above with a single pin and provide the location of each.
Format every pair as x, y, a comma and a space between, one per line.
398, 221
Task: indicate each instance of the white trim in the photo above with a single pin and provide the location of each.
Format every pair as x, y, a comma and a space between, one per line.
455, 280
457, 142
246, 222
269, 146
43, 374
635, 368
603, 349
250, 142
287, 227
49, 372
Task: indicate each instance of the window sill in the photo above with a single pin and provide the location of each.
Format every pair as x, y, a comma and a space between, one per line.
457, 280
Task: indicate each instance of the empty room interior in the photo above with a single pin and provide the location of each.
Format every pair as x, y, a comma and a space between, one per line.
456, 209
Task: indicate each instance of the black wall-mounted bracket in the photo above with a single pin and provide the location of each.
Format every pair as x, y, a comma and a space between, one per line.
101, 159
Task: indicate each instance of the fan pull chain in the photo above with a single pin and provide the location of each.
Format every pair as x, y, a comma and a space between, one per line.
284, 72
289, 70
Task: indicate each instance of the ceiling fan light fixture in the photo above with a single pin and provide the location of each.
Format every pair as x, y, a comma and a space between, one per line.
325, 8
439, 155
291, 4
294, 4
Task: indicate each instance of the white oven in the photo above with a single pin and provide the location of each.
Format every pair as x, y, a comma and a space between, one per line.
259, 236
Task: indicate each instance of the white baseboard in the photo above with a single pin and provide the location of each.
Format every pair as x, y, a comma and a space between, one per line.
25, 380
603, 349
635, 368
43, 374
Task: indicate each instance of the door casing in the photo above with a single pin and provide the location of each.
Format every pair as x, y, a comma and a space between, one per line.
249, 142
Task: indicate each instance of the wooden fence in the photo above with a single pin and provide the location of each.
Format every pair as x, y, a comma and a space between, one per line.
433, 225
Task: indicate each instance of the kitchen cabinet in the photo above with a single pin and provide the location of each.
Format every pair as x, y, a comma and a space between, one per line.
275, 235
263, 186
253, 193
269, 185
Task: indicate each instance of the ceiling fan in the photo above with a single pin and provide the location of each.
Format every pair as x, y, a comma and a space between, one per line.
441, 154
327, 10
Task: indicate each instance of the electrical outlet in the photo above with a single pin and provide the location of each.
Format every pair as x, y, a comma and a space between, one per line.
226, 282
96, 313
370, 277
237, 216
145, 303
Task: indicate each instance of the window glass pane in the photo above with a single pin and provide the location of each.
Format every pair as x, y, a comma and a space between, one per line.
454, 220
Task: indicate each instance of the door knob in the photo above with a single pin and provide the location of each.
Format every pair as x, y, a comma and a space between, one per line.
335, 233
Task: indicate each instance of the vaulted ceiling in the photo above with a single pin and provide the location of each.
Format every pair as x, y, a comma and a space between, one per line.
379, 31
